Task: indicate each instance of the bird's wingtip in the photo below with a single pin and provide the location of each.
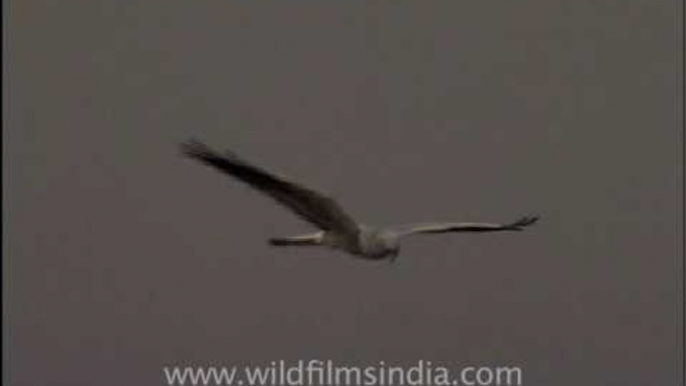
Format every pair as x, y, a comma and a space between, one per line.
525, 222
194, 148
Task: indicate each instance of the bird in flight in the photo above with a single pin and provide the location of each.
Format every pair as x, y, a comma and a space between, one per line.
336, 229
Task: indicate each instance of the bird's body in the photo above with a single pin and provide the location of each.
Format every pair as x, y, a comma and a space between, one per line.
370, 243
337, 230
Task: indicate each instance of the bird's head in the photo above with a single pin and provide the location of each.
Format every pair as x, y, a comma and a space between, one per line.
392, 246
393, 254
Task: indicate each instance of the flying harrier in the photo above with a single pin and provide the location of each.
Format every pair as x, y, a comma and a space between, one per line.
337, 229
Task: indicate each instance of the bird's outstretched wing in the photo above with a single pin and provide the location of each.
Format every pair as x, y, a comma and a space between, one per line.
465, 227
314, 207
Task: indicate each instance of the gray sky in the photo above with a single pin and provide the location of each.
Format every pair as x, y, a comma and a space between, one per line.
123, 257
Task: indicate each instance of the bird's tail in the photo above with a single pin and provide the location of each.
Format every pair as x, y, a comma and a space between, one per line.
311, 239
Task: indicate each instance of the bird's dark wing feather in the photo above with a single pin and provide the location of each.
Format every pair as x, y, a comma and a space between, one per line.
466, 227
314, 207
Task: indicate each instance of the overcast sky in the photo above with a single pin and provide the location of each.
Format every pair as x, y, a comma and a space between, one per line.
123, 257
